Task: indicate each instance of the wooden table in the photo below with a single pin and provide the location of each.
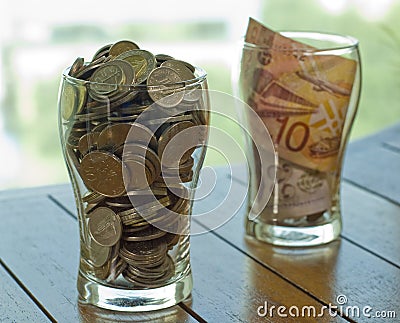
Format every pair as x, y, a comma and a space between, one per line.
232, 276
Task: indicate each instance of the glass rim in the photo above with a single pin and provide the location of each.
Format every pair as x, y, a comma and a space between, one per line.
199, 73
339, 41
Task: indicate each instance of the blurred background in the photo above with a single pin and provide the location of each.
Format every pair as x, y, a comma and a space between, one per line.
39, 39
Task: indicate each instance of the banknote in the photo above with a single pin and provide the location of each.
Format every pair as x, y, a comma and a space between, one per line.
297, 192
302, 95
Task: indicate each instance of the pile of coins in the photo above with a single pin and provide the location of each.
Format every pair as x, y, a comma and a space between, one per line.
119, 113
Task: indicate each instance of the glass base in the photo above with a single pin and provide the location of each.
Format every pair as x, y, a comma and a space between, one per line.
294, 236
133, 300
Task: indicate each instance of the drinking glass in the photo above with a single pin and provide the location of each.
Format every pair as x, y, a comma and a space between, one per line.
133, 153
305, 88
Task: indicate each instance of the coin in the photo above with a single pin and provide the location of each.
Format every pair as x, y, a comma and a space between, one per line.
88, 142
142, 61
113, 136
87, 71
121, 47
81, 97
165, 87
141, 134
97, 254
182, 168
137, 175
170, 158
148, 233
103, 51
92, 197
163, 57
76, 66
105, 227
106, 80
117, 269
154, 174
68, 100
161, 121
179, 67
188, 65
102, 172
147, 152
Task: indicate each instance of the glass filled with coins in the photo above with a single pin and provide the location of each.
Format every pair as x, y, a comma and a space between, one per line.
304, 87
133, 128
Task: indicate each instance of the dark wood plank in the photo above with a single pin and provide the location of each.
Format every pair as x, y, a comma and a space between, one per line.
372, 222
368, 220
228, 285
39, 243
327, 271
15, 304
31, 192
374, 163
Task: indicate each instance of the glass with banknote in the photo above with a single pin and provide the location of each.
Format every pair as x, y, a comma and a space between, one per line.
133, 129
305, 88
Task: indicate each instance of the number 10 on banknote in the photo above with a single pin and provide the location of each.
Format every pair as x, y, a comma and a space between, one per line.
305, 88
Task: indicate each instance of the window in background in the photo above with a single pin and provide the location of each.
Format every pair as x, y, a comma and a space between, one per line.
40, 38
35, 48
376, 24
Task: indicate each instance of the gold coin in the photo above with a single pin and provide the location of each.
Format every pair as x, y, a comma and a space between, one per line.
193, 93
182, 168
105, 226
163, 57
148, 233
102, 172
103, 51
106, 79
116, 269
153, 191
121, 47
72, 141
165, 87
92, 197
103, 271
76, 66
140, 250
82, 97
68, 100
113, 136
152, 176
116, 118
161, 121
180, 67
142, 61
87, 71
137, 175
188, 65
141, 134
169, 159
88, 142
141, 150
98, 255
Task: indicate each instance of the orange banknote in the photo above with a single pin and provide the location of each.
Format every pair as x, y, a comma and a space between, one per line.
300, 93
